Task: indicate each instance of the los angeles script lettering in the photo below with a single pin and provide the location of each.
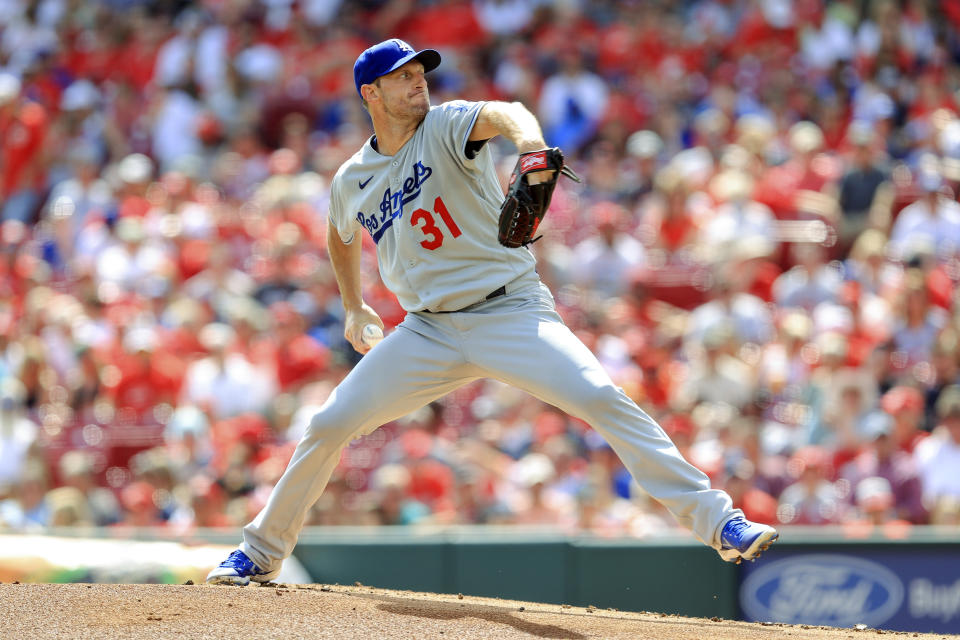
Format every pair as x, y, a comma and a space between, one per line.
391, 205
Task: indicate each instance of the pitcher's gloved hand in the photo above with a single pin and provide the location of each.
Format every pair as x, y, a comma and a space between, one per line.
528, 196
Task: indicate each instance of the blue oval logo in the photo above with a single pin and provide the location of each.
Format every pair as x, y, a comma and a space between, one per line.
823, 589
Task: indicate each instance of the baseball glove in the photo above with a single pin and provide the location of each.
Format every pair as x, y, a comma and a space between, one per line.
526, 204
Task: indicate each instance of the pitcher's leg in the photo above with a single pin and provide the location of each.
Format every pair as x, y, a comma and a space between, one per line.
532, 349
401, 374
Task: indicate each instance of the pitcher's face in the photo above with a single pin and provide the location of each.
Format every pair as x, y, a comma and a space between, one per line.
403, 92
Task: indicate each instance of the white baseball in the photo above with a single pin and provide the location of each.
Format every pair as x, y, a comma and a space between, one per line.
371, 335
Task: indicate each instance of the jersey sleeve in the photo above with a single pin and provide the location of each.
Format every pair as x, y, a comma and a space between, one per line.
347, 225
454, 123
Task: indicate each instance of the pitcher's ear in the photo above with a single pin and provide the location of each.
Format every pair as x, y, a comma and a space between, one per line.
369, 92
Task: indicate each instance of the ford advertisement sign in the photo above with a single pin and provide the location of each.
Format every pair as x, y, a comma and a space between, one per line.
905, 591
832, 590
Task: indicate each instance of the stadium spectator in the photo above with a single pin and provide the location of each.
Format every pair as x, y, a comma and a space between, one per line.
220, 285
88, 502
848, 399
757, 504
813, 498
919, 322
946, 371
603, 259
572, 102
737, 217
394, 504
875, 508
731, 306
27, 509
810, 282
503, 18
298, 357
18, 433
139, 508
905, 404
143, 376
881, 458
937, 456
932, 220
666, 221
225, 384
866, 264
68, 508
865, 194
644, 149
23, 127
83, 196
717, 374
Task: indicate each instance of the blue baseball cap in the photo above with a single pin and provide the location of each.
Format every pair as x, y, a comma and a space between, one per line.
387, 56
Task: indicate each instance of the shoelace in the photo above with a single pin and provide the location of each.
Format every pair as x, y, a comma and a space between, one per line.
733, 530
737, 526
238, 560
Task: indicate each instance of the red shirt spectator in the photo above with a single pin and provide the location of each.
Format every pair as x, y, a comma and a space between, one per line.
451, 23
140, 507
299, 358
144, 377
906, 405
23, 127
757, 505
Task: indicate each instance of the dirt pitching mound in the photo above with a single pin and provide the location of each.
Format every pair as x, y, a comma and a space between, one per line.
289, 612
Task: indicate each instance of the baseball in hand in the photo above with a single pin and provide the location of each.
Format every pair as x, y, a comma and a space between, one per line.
371, 335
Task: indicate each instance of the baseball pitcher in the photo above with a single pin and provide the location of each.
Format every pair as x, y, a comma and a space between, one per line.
454, 251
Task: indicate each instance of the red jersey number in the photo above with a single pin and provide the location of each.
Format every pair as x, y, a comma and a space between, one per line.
430, 228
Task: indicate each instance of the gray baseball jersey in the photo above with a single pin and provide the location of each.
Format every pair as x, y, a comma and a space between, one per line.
436, 233
433, 213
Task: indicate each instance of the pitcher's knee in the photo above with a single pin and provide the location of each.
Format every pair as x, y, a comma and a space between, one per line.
597, 399
327, 425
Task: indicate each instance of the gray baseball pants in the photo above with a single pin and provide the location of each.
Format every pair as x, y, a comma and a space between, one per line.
519, 339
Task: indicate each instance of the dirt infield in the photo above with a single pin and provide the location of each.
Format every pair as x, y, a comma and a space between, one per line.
290, 612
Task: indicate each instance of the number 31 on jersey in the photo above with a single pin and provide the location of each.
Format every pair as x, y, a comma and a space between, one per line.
428, 224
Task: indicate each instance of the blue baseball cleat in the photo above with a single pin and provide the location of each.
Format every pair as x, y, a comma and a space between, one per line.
238, 569
741, 539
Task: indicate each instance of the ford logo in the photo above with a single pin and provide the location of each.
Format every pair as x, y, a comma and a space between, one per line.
831, 590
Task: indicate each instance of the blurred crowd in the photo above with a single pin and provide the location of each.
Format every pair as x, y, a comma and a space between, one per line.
764, 254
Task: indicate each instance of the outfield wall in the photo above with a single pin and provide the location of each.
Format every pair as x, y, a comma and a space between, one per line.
618, 573
897, 579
